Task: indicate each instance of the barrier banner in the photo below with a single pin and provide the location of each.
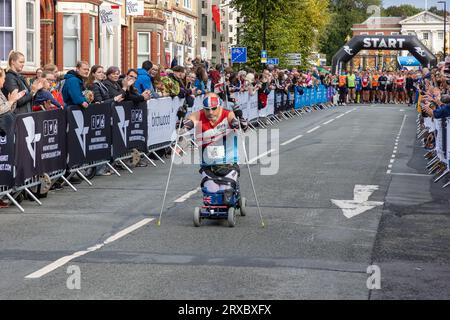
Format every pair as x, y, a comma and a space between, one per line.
252, 106
89, 134
270, 103
7, 150
40, 144
242, 101
129, 127
448, 140
438, 135
162, 120
278, 101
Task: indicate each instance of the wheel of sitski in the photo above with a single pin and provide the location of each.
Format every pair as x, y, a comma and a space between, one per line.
243, 206
231, 217
197, 219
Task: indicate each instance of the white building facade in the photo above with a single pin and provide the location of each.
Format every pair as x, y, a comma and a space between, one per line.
429, 29
20, 31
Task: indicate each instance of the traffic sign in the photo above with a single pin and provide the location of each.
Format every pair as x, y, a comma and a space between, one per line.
238, 55
263, 56
294, 56
274, 61
294, 62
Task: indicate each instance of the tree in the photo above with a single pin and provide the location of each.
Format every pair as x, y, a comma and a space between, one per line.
292, 26
438, 11
404, 10
344, 14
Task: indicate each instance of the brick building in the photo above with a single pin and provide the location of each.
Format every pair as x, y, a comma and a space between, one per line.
384, 26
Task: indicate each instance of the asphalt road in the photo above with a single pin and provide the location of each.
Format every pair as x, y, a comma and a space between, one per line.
308, 249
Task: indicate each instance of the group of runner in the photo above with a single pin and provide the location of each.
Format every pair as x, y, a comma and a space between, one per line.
377, 87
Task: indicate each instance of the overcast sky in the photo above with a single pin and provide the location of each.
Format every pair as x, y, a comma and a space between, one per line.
416, 3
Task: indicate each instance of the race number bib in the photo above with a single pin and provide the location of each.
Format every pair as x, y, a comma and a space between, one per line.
215, 152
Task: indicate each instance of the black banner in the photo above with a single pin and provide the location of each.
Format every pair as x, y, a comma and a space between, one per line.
40, 144
89, 134
129, 127
7, 123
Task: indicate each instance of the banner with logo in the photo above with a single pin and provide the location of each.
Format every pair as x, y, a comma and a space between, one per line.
89, 134
40, 144
135, 8
110, 15
7, 150
129, 127
162, 120
252, 106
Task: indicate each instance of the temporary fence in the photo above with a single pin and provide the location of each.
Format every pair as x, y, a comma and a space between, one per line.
38, 148
439, 156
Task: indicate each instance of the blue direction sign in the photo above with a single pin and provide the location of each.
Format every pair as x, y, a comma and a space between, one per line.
274, 61
238, 55
263, 56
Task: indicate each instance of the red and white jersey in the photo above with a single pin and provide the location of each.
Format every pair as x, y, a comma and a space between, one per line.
207, 133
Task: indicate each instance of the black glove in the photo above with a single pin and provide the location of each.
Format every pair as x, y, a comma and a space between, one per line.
182, 111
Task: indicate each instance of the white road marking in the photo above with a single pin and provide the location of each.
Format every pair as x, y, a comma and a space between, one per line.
62, 261
313, 129
410, 174
292, 140
360, 202
187, 195
396, 145
329, 121
261, 155
340, 116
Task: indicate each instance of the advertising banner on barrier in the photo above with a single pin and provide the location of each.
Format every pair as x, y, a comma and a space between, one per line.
40, 144
162, 120
447, 142
252, 106
438, 127
7, 150
270, 104
129, 128
89, 135
278, 101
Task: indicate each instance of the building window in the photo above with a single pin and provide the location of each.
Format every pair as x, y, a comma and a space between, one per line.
440, 35
231, 28
30, 30
425, 36
187, 4
71, 27
6, 28
364, 34
380, 33
158, 46
204, 25
92, 41
143, 47
214, 47
394, 33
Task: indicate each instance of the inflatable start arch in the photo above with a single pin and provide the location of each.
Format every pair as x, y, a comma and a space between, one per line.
397, 42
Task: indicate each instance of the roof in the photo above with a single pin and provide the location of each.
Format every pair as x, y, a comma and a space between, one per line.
422, 13
383, 20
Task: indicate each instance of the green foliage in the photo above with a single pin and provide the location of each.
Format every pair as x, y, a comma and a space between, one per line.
293, 26
404, 10
344, 14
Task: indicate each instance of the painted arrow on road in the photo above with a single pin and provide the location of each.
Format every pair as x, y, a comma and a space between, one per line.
360, 202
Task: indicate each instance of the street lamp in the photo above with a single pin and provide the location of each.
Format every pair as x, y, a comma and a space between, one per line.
445, 26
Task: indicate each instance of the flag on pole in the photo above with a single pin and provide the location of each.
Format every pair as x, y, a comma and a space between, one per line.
216, 16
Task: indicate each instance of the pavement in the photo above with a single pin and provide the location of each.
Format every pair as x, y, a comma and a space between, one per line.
107, 234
